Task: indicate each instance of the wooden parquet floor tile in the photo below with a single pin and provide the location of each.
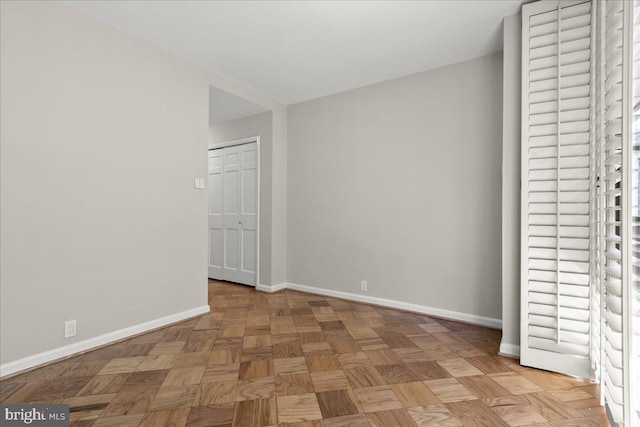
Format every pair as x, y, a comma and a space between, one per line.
291, 359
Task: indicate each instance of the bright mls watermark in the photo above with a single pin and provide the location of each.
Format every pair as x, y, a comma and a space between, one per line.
34, 415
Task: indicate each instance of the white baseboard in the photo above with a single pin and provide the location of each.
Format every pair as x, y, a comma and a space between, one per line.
510, 349
81, 346
422, 309
271, 288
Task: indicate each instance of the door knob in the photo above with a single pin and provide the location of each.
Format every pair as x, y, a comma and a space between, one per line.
240, 222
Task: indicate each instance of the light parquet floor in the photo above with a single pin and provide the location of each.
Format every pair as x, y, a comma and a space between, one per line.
295, 359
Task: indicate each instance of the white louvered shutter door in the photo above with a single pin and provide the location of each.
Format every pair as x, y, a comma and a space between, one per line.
555, 186
612, 376
618, 157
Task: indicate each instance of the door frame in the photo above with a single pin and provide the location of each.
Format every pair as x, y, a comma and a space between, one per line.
232, 143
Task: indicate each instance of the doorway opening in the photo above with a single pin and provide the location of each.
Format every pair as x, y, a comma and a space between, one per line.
239, 132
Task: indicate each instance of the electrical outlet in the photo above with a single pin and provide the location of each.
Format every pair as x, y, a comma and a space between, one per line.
363, 285
70, 328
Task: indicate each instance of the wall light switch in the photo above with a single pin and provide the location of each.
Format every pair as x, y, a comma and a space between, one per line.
199, 183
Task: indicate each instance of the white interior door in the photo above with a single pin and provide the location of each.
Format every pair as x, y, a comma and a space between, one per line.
233, 213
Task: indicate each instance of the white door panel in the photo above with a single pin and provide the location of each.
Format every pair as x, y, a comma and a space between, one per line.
234, 197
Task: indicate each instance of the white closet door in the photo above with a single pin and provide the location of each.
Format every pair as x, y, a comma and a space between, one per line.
233, 217
556, 139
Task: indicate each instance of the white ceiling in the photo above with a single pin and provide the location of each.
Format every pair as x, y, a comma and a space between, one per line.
298, 50
225, 106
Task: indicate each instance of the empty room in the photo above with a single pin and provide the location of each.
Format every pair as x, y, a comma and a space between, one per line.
320, 213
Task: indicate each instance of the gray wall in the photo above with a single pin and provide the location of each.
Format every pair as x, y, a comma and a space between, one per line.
256, 125
399, 184
396, 183
101, 138
511, 186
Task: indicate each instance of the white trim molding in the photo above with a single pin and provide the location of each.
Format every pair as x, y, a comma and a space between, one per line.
389, 303
272, 288
509, 349
45, 357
